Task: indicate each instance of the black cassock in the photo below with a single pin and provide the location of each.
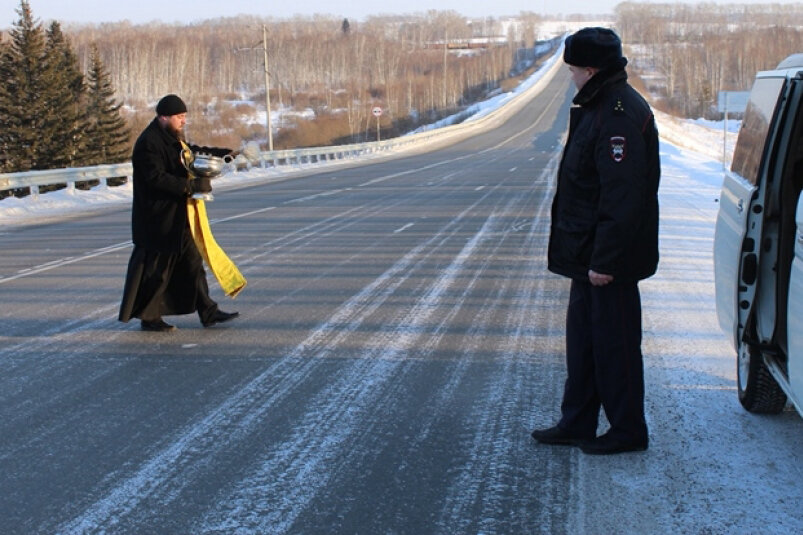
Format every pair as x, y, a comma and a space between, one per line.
165, 273
166, 284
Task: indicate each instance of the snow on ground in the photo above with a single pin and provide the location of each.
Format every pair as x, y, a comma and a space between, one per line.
693, 138
704, 443
65, 203
683, 143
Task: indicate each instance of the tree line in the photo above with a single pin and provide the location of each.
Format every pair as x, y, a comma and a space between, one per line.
336, 68
412, 66
53, 115
698, 50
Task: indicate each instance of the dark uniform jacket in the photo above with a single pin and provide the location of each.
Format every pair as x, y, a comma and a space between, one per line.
605, 210
161, 188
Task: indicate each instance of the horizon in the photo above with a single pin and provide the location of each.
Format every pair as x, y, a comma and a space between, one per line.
94, 12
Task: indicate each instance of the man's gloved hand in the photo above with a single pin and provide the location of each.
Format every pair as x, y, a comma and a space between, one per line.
201, 184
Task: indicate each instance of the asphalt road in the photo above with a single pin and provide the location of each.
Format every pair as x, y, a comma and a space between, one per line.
399, 338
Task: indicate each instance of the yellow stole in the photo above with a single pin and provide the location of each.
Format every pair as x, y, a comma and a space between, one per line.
228, 276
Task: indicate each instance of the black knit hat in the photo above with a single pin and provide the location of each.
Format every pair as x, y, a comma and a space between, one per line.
171, 105
593, 47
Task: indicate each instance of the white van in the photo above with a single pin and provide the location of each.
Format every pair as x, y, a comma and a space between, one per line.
758, 246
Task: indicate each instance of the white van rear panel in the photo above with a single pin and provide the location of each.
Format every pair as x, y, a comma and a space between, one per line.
795, 314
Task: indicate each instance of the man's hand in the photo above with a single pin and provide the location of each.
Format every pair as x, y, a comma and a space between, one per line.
599, 279
202, 184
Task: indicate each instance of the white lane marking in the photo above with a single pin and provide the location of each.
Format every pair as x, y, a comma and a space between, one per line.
64, 262
117, 247
402, 229
238, 413
245, 214
323, 433
236, 417
528, 129
492, 418
418, 169
479, 188
512, 169
315, 196
102, 251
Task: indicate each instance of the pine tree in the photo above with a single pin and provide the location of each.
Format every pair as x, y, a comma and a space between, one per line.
107, 133
4, 156
23, 94
66, 120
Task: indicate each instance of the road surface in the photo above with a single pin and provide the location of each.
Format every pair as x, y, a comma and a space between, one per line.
399, 338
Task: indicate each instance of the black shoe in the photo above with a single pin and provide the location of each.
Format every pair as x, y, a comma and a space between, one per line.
159, 326
608, 445
555, 435
220, 317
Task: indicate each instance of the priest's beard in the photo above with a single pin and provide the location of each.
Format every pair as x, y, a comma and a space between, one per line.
178, 134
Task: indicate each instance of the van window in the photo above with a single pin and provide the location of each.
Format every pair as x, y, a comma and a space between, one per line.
755, 126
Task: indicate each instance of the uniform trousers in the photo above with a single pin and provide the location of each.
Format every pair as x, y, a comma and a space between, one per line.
604, 361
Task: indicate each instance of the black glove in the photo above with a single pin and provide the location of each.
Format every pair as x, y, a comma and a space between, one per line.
201, 184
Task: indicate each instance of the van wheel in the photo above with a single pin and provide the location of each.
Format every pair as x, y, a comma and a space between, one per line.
759, 392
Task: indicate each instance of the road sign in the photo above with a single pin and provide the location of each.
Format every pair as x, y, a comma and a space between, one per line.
377, 111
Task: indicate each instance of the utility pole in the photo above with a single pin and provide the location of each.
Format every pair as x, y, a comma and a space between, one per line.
267, 86
445, 57
264, 48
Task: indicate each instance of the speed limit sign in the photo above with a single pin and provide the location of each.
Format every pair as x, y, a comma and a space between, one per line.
377, 111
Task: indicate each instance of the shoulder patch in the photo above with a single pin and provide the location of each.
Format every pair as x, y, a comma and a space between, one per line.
618, 148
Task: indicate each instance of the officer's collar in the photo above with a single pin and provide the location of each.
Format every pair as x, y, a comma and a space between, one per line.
597, 82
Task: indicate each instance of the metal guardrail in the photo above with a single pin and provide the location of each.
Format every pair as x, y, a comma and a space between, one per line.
297, 157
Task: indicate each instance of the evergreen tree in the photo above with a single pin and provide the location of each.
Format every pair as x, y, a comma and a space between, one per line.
66, 120
3, 143
107, 136
23, 94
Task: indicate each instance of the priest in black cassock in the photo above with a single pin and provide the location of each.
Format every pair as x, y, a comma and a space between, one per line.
166, 273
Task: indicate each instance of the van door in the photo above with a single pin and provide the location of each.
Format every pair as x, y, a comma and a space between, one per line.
738, 227
795, 312
729, 235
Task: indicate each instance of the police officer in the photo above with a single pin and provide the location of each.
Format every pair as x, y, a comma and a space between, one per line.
604, 237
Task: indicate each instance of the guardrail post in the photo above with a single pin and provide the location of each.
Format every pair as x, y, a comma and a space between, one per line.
35, 193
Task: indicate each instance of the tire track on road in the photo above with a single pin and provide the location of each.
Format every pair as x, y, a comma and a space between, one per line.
296, 470
164, 474
499, 464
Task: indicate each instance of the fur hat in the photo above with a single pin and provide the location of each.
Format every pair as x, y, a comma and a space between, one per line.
593, 47
171, 105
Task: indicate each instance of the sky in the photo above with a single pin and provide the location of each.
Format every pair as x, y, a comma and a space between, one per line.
143, 11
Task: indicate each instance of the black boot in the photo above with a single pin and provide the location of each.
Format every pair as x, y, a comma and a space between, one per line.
220, 317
